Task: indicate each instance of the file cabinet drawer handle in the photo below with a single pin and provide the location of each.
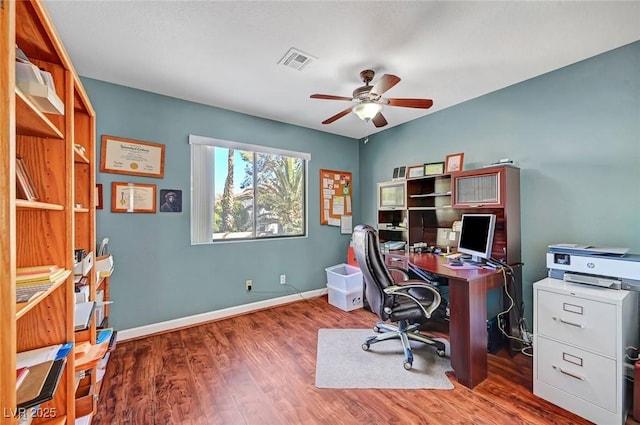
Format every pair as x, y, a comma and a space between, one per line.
573, 375
566, 322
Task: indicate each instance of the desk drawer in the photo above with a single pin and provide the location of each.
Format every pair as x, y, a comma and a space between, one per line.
577, 321
580, 374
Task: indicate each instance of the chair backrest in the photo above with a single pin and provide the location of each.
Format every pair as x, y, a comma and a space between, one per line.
374, 271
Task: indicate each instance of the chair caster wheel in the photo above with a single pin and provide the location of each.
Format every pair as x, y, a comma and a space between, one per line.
365, 347
376, 329
407, 365
440, 353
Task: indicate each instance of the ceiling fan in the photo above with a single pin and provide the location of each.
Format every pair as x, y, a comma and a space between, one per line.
369, 100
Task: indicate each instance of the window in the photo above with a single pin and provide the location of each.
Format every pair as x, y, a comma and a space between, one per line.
241, 191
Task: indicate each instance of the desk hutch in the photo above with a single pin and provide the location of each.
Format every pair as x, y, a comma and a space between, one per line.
431, 205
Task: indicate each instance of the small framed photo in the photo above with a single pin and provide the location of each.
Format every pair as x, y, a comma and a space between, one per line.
454, 162
399, 173
170, 200
433, 168
415, 171
133, 197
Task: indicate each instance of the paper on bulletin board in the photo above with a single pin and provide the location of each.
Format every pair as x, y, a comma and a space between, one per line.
335, 196
346, 225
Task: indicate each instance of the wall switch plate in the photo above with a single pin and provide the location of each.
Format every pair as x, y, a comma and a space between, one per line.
283, 279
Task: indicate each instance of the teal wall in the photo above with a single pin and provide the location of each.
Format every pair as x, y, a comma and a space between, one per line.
158, 274
575, 134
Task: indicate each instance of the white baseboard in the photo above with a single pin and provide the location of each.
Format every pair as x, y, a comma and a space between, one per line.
196, 319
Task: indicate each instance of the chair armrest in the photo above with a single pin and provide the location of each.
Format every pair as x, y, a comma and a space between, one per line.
398, 270
403, 290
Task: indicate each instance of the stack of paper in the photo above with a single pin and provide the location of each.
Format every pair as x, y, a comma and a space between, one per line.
31, 281
45, 367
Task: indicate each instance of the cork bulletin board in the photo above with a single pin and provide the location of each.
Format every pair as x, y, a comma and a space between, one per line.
335, 197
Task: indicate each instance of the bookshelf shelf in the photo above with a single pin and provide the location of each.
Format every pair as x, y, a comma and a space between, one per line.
24, 308
79, 157
23, 204
31, 122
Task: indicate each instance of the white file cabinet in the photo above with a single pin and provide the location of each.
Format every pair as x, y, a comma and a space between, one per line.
579, 337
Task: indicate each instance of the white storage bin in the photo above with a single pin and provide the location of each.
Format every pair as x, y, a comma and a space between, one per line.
344, 277
345, 300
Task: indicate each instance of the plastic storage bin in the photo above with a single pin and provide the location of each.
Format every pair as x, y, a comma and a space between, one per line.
344, 277
345, 300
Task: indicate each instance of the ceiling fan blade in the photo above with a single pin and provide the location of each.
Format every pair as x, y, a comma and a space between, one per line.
329, 97
385, 83
411, 103
379, 120
337, 116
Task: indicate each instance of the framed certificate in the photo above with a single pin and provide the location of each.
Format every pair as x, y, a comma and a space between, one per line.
433, 168
133, 197
133, 157
415, 171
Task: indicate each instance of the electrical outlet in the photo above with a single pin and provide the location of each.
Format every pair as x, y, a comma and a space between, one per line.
248, 284
283, 279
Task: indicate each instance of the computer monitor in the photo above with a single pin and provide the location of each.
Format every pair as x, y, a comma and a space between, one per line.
476, 236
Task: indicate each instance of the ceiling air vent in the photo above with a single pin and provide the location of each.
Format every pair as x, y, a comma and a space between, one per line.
296, 59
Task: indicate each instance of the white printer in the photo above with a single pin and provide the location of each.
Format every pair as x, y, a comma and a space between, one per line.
607, 267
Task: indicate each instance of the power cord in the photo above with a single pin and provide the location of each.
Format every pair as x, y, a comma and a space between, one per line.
289, 289
526, 342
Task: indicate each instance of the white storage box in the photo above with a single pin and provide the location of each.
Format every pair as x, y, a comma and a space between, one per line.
345, 300
104, 266
344, 277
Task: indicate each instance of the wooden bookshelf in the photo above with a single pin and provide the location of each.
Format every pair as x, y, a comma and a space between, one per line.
59, 153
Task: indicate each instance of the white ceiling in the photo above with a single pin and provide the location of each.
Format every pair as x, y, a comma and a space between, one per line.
226, 53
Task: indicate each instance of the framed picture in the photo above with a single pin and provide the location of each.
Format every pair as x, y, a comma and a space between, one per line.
170, 200
454, 162
99, 204
433, 168
133, 197
133, 157
415, 171
399, 173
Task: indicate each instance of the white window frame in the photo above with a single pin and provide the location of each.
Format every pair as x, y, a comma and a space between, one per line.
203, 190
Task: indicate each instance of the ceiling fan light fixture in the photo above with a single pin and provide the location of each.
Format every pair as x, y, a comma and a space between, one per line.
367, 110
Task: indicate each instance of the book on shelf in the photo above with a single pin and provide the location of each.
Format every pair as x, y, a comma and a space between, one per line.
43, 354
21, 374
83, 313
47, 268
40, 384
29, 287
29, 294
25, 188
32, 387
51, 277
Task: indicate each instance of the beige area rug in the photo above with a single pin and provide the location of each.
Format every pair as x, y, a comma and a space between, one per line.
342, 363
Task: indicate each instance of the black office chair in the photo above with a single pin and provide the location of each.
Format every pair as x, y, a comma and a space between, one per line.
408, 303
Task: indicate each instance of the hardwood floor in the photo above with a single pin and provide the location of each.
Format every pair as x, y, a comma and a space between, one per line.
259, 369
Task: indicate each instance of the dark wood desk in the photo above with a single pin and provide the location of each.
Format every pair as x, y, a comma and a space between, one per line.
468, 315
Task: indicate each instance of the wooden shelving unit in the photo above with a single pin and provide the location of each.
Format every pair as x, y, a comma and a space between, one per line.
59, 152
